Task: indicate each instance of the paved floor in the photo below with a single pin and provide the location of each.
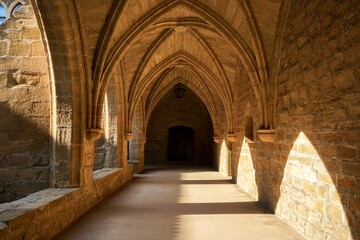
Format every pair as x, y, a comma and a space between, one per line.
174, 204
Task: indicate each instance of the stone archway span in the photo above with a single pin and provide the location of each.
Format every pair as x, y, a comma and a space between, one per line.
246, 55
204, 96
190, 63
179, 59
65, 51
165, 34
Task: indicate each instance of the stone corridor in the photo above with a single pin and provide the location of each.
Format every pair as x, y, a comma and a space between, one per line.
179, 204
266, 92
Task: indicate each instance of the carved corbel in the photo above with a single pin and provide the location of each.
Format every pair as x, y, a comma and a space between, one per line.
93, 134
266, 135
231, 137
217, 139
129, 136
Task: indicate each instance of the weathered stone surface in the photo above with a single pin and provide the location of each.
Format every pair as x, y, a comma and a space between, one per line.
24, 83
51, 210
310, 172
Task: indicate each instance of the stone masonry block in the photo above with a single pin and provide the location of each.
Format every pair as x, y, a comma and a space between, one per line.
34, 174
4, 46
31, 33
346, 183
8, 174
17, 160
37, 49
19, 48
347, 153
334, 213
9, 123
352, 169
349, 38
355, 204
352, 137
337, 63
352, 55
344, 81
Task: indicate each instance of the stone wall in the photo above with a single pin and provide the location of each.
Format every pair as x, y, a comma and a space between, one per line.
188, 111
24, 107
106, 146
243, 170
44, 214
317, 118
137, 143
310, 176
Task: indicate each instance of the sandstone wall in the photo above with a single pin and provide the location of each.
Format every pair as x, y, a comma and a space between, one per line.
106, 146
243, 170
318, 119
137, 143
44, 214
310, 175
24, 107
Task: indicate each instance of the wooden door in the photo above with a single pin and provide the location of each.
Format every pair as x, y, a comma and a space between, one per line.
181, 144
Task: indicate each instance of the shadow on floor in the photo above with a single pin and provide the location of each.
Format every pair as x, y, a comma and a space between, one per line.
176, 204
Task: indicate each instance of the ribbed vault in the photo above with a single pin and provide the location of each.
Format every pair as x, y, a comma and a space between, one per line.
147, 39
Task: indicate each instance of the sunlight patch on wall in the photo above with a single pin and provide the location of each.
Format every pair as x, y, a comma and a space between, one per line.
246, 172
224, 159
309, 200
106, 118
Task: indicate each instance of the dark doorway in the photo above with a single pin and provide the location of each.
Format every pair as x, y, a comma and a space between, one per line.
181, 144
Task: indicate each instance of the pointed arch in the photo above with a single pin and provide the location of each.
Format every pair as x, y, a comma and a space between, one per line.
103, 73
68, 96
15, 6
205, 97
190, 63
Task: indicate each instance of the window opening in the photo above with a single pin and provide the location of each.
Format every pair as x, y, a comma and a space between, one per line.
2, 14
17, 8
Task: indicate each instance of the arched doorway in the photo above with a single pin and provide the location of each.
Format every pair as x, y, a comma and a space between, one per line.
181, 144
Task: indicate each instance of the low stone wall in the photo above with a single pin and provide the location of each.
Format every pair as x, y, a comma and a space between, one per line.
44, 214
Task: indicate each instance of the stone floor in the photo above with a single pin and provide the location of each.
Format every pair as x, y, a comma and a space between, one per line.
174, 204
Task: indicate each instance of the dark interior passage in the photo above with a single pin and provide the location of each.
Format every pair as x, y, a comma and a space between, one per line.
181, 144
180, 131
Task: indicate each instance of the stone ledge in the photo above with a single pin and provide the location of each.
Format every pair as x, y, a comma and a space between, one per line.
44, 214
105, 172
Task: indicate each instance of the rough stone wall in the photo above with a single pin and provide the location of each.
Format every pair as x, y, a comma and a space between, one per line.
136, 147
243, 161
171, 111
106, 146
317, 120
112, 129
44, 214
310, 175
100, 144
24, 107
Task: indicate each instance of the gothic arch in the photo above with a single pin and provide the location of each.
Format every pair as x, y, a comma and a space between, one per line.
204, 96
102, 73
65, 52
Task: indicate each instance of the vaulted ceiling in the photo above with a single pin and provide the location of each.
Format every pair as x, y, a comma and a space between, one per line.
156, 44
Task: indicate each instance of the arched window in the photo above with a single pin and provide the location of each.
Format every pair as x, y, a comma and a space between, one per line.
2, 14
16, 8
